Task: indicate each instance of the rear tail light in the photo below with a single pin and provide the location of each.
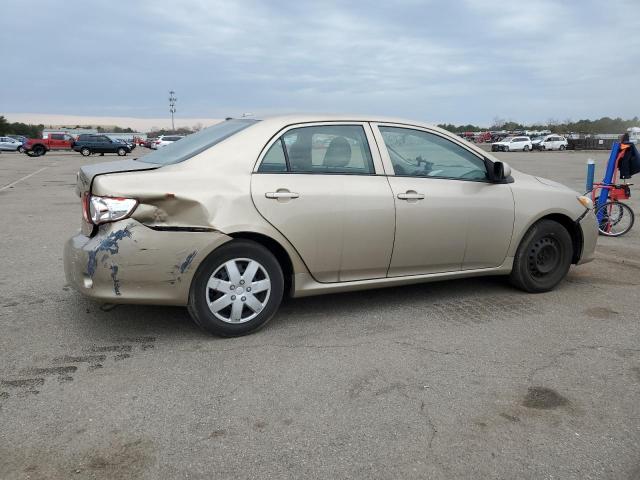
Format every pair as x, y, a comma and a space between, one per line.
97, 210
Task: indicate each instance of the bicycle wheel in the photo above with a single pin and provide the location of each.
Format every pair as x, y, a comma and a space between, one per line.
614, 218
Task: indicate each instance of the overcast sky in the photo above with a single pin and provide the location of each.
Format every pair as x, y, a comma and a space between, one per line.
438, 61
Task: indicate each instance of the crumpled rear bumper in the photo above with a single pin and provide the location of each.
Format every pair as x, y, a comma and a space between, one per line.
127, 262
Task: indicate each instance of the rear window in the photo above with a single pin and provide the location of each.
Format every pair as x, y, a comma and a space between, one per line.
196, 143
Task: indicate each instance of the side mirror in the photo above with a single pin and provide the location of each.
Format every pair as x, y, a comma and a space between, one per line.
501, 170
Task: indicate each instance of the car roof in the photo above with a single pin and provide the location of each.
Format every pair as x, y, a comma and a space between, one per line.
277, 122
337, 117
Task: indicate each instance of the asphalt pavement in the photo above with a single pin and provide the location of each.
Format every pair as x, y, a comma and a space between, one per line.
459, 379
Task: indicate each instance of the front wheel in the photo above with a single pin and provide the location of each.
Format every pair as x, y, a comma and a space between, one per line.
562, 147
614, 218
21, 149
236, 290
543, 257
122, 152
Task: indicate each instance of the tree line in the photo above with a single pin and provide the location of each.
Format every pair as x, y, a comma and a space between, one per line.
19, 128
602, 125
35, 131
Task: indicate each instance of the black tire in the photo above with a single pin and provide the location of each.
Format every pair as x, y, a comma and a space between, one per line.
614, 218
85, 152
543, 257
38, 151
562, 147
21, 149
200, 294
122, 152
526, 148
505, 149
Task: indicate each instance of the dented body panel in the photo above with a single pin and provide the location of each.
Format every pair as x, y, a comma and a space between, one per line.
127, 262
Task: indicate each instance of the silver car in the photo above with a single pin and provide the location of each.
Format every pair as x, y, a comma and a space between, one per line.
228, 220
10, 144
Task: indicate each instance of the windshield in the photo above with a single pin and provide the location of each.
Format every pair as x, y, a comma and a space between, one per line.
196, 143
508, 139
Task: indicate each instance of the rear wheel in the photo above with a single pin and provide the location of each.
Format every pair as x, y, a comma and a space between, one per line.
526, 148
505, 149
85, 152
236, 290
543, 257
614, 218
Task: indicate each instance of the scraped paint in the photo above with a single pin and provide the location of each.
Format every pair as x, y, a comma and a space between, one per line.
108, 245
114, 277
187, 261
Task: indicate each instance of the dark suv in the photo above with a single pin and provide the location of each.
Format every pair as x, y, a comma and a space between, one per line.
88, 144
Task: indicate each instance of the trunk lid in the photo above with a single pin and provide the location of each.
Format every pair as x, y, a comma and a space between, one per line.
87, 173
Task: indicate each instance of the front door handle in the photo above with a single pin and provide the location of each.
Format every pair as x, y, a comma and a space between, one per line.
282, 194
411, 195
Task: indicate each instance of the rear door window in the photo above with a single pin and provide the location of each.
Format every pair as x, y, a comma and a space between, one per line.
274, 160
322, 149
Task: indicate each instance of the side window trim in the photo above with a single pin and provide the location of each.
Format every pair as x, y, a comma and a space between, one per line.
388, 165
368, 131
286, 153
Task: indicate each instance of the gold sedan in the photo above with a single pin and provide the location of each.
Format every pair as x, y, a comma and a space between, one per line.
228, 220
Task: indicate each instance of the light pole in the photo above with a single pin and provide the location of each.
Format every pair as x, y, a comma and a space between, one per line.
172, 107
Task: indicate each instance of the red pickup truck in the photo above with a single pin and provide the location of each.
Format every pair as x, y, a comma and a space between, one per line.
35, 147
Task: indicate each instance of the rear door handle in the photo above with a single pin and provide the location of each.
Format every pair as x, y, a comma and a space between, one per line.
282, 194
411, 195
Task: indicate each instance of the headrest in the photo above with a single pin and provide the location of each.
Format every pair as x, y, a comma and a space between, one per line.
338, 154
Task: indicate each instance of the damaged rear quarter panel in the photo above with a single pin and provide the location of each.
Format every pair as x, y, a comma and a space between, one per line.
184, 198
211, 189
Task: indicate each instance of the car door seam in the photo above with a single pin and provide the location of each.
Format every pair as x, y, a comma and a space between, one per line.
281, 233
395, 210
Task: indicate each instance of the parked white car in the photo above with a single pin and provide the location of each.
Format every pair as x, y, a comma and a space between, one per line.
550, 142
511, 144
164, 140
9, 144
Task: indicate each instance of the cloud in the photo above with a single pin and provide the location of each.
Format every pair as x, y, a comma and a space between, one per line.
433, 60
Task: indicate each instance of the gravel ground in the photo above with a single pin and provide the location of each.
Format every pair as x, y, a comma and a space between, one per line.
460, 379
